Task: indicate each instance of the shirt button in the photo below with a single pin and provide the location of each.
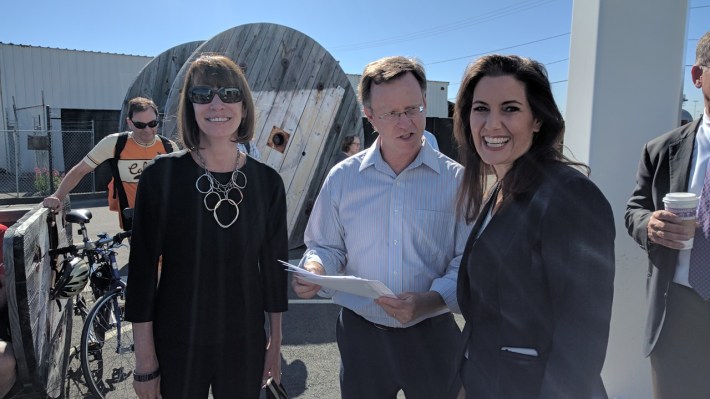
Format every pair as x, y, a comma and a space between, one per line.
395, 242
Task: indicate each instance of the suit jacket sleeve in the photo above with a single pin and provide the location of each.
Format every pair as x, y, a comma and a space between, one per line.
577, 242
641, 205
664, 167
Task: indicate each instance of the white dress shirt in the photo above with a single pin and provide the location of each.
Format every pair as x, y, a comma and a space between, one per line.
431, 139
401, 229
698, 166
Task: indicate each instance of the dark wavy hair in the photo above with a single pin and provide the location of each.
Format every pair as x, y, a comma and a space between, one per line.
217, 71
347, 141
546, 147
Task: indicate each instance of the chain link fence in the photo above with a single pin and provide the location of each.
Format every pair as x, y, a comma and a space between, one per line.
33, 162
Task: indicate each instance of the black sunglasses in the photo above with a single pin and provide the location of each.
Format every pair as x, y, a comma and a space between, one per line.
143, 125
205, 94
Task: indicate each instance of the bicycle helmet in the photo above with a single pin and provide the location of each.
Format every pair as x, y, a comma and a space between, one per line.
72, 278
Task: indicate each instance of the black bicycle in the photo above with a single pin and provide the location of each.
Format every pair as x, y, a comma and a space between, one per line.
106, 349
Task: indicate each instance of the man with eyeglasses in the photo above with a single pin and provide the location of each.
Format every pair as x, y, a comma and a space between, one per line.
677, 334
127, 152
388, 214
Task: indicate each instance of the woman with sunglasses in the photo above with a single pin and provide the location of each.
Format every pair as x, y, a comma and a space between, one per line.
139, 145
218, 219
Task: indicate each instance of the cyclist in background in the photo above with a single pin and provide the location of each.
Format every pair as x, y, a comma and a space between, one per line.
218, 218
127, 153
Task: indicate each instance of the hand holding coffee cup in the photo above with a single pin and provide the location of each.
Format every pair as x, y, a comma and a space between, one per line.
675, 226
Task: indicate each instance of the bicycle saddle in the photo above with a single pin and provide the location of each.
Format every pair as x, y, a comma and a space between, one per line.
78, 216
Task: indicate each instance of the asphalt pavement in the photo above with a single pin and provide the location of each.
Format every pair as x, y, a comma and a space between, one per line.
310, 358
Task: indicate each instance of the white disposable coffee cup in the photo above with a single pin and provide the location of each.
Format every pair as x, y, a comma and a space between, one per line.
683, 205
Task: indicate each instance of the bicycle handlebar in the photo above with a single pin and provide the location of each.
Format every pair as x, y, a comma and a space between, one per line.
121, 236
103, 240
71, 249
115, 240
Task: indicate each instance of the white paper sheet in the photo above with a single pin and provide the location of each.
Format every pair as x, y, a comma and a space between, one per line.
350, 284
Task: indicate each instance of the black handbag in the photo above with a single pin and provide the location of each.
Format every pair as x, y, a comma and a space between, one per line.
274, 390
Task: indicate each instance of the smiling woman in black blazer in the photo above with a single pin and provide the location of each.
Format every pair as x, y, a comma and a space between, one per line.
536, 279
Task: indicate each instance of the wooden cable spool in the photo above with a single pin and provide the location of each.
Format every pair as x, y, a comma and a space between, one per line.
304, 102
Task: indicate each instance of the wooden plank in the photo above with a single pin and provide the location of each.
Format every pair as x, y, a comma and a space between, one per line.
308, 106
248, 55
279, 112
352, 124
308, 151
264, 103
294, 105
264, 61
304, 133
41, 330
320, 128
262, 64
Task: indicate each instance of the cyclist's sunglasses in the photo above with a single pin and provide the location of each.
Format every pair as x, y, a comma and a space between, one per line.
143, 125
205, 94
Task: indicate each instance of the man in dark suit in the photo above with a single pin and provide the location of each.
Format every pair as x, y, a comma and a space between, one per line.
677, 336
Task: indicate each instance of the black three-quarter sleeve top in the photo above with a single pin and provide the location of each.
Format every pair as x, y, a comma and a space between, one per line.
215, 283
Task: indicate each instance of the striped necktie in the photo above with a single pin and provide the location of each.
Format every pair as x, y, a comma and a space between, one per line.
699, 275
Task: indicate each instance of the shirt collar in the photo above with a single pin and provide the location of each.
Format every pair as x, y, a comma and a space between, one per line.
152, 143
426, 156
704, 128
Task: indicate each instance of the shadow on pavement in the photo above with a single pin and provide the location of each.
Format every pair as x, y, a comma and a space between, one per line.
307, 324
311, 361
75, 387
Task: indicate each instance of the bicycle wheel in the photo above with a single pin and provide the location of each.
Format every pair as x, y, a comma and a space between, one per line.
107, 358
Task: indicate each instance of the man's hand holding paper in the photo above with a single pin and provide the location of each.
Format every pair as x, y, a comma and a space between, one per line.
307, 283
409, 306
305, 289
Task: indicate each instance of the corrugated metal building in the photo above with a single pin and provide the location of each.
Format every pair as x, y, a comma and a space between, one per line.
69, 78
84, 91
77, 86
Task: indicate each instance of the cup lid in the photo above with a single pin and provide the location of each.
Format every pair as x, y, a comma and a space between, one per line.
680, 197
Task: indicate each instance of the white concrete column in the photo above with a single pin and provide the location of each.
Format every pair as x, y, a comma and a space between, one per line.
625, 84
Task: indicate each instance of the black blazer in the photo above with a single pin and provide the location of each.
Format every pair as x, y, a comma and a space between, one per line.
540, 277
663, 168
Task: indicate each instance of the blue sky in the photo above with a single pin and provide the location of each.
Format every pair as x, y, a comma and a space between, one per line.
445, 35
